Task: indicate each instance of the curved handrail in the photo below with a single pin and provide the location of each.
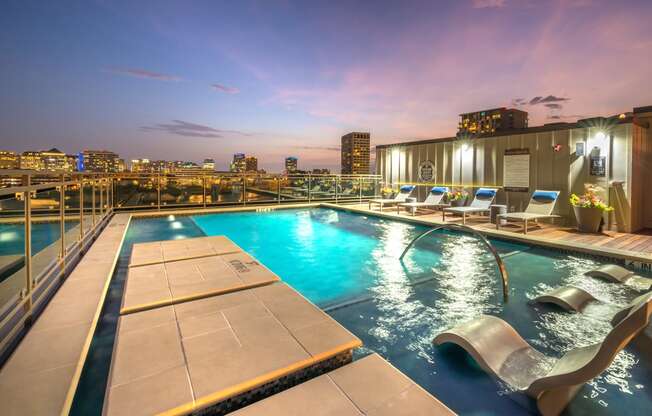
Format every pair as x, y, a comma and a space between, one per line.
465, 228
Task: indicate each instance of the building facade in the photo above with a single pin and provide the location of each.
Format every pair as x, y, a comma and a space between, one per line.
9, 160
613, 153
101, 161
239, 163
209, 164
356, 153
291, 164
493, 120
251, 164
31, 160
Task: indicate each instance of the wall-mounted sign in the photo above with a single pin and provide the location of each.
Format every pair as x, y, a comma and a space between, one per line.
426, 171
598, 166
516, 170
579, 149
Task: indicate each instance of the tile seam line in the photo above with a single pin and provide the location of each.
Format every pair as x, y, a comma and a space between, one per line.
70, 395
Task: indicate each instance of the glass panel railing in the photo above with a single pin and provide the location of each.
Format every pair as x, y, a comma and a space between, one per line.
223, 190
294, 188
322, 187
136, 191
12, 253
72, 211
182, 191
348, 189
261, 189
46, 230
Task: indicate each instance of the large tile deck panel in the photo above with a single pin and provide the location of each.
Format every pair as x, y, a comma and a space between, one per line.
156, 252
370, 386
194, 355
181, 280
41, 376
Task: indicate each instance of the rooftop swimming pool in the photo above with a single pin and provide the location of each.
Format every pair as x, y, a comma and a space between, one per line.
348, 264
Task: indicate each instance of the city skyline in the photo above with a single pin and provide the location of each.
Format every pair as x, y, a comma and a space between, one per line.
182, 82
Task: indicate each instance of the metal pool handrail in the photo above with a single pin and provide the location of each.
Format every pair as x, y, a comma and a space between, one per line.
501, 266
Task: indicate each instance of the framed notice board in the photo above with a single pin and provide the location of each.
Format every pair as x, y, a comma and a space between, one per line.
516, 170
598, 166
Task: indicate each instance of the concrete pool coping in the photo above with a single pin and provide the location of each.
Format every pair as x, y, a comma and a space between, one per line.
221, 352
42, 374
368, 386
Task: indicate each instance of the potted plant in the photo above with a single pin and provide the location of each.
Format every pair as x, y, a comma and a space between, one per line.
386, 192
589, 209
457, 198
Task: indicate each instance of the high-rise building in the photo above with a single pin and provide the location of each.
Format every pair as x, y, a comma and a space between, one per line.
251, 164
9, 160
209, 164
239, 163
291, 164
31, 160
355, 153
101, 161
321, 171
493, 120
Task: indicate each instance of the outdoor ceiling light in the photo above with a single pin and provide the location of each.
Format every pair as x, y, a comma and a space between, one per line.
600, 135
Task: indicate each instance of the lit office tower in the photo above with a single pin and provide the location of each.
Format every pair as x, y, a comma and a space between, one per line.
493, 120
101, 161
55, 160
209, 164
31, 160
291, 164
9, 160
251, 164
355, 153
239, 163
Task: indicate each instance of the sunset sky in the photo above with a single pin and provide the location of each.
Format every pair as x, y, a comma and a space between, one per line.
188, 80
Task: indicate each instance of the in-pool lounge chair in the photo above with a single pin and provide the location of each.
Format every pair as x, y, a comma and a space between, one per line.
484, 197
433, 201
618, 274
552, 382
402, 195
540, 206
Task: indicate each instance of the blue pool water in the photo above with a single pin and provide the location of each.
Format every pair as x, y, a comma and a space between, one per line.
12, 236
349, 265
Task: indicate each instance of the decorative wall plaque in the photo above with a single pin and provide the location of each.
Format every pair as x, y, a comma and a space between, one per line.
426, 171
516, 170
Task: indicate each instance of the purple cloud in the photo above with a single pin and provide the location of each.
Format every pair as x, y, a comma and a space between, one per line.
553, 106
225, 89
142, 73
184, 128
548, 99
488, 4
328, 148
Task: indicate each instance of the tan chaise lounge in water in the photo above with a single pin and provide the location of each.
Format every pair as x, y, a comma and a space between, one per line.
618, 274
403, 194
552, 382
369, 386
433, 201
484, 197
540, 206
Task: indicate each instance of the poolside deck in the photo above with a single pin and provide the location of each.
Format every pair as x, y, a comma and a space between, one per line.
41, 376
634, 247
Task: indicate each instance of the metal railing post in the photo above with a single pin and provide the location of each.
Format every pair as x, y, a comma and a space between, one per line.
360, 189
93, 202
244, 189
158, 191
62, 219
101, 198
81, 209
309, 188
203, 189
278, 190
27, 195
337, 186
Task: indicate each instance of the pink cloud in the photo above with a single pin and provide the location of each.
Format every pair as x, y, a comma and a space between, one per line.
142, 73
488, 4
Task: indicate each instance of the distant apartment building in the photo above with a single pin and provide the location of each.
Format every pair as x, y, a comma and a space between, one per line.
208, 164
9, 160
101, 161
291, 164
493, 120
140, 166
321, 171
31, 160
251, 164
55, 160
239, 163
355, 153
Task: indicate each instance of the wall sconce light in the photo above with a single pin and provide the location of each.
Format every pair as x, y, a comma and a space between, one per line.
556, 147
600, 135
